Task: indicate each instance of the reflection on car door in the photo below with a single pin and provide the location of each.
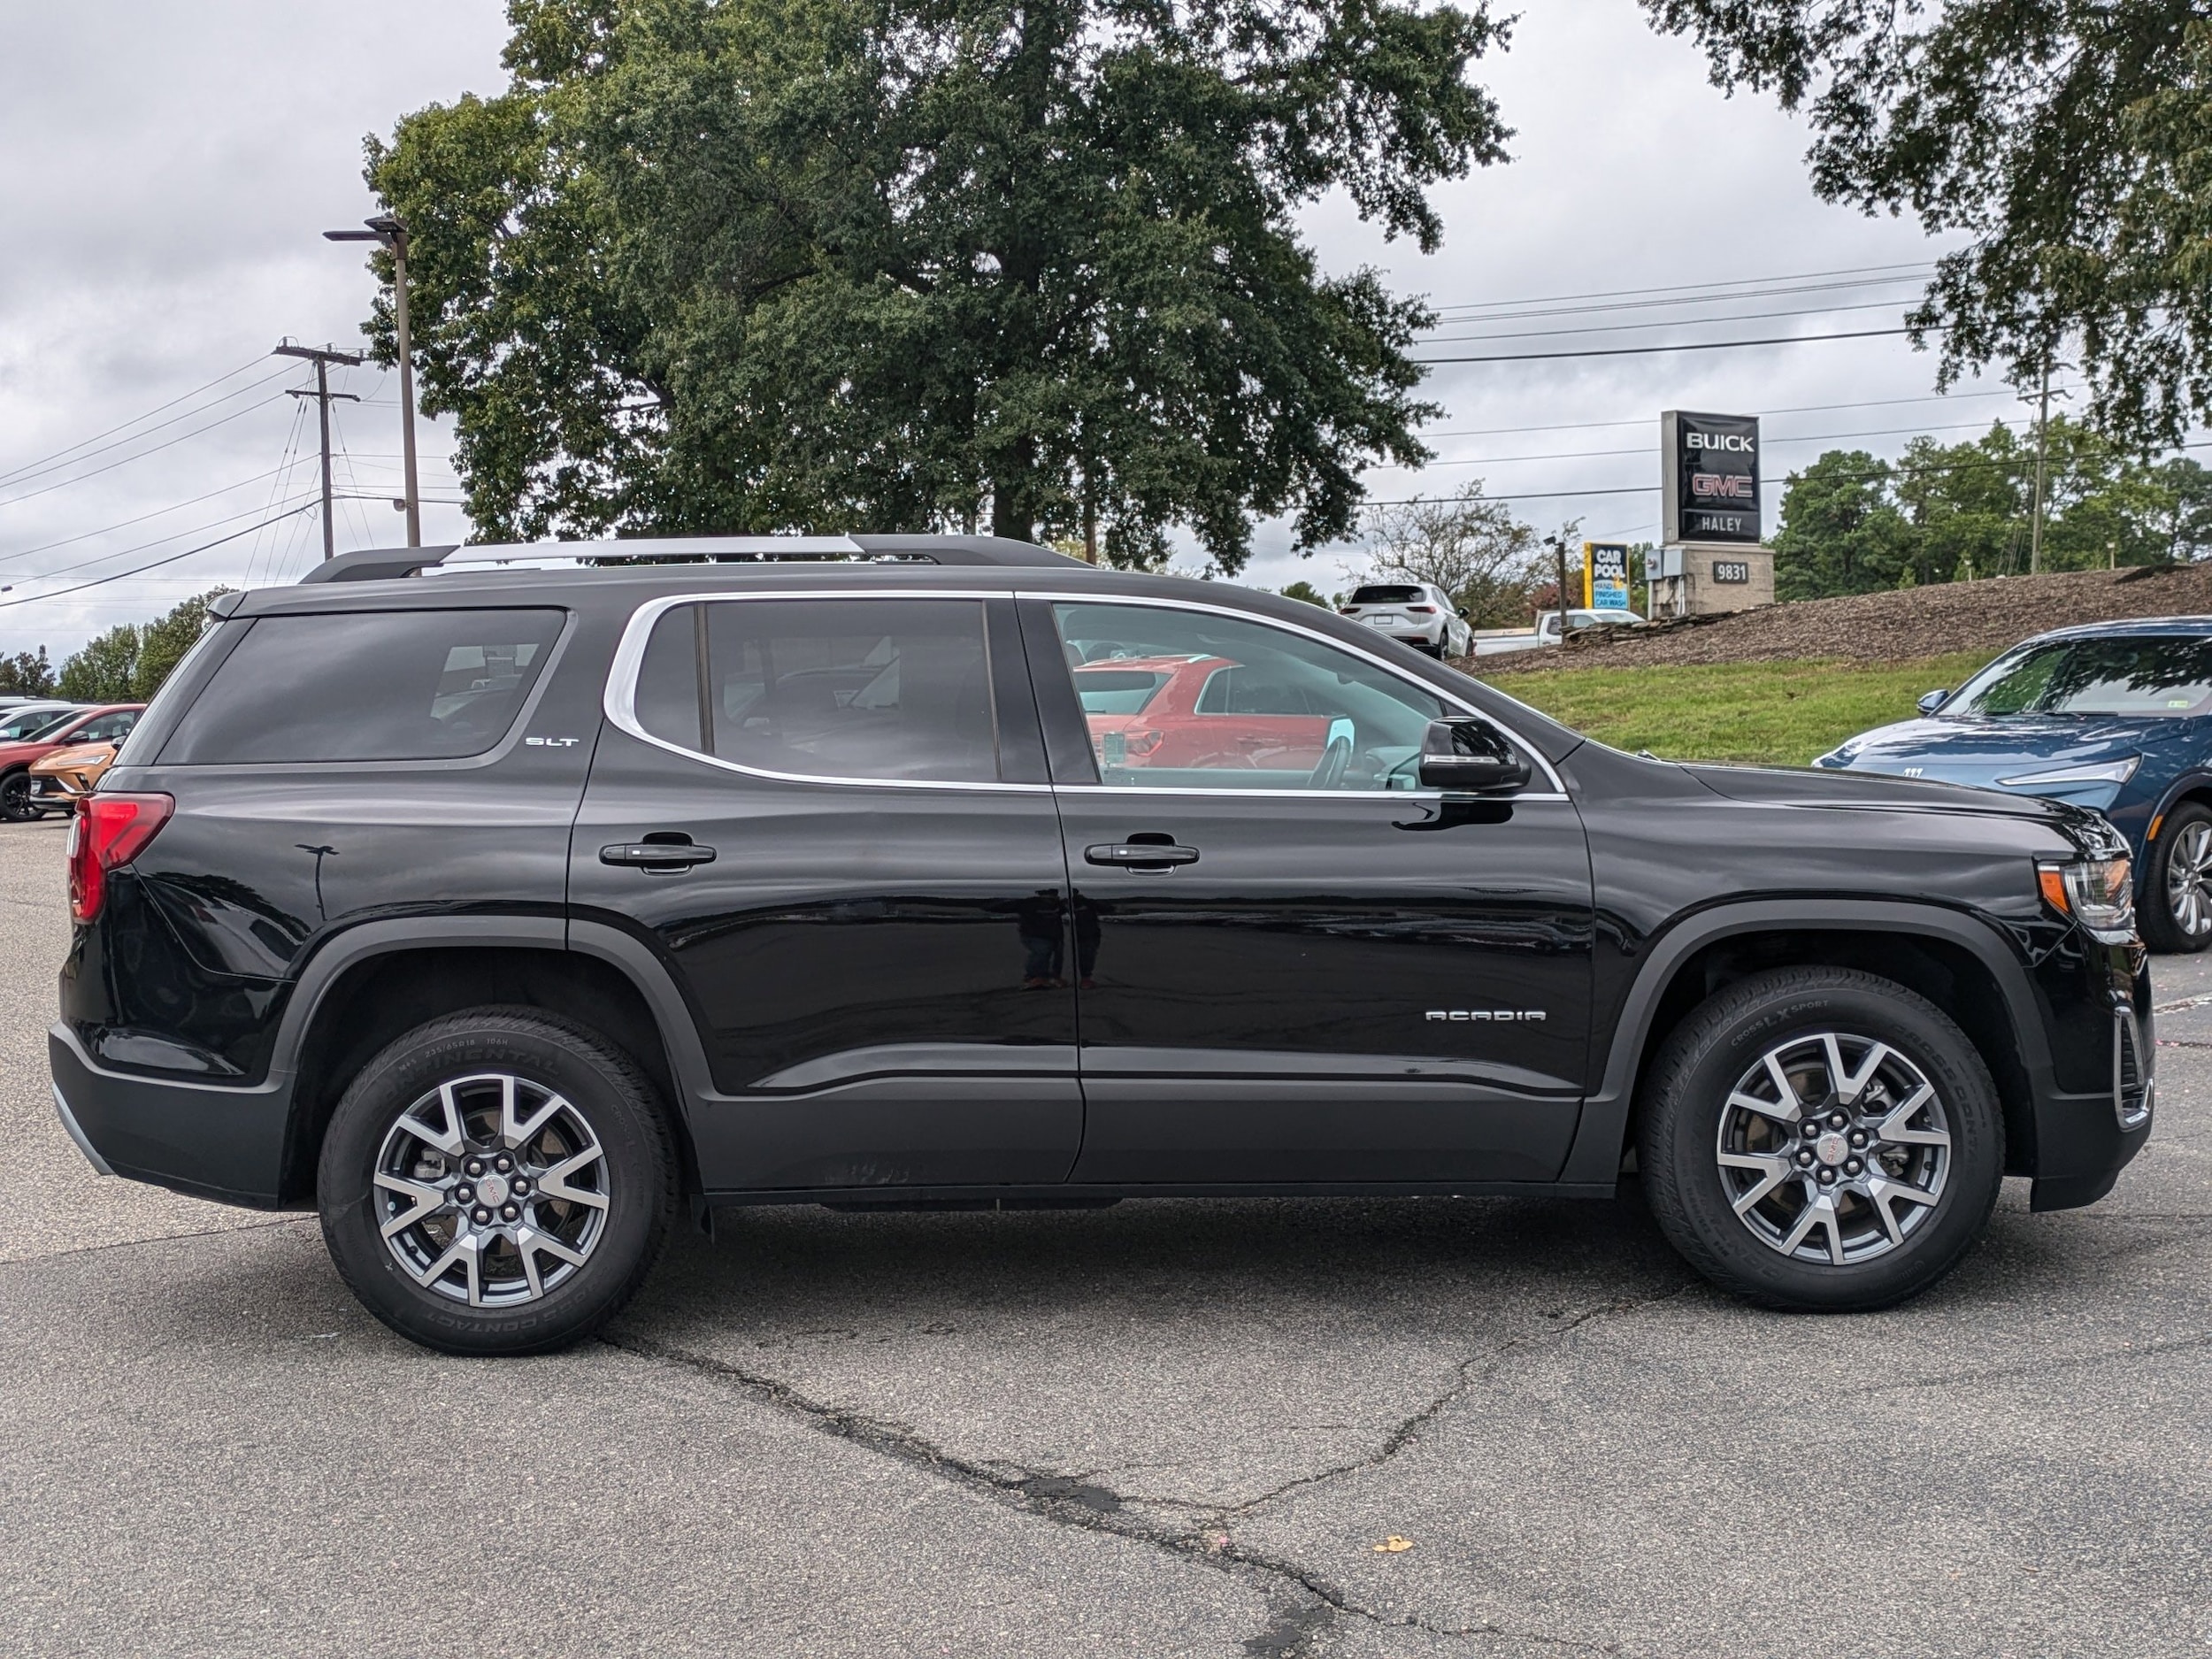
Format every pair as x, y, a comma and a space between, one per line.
1322, 976
828, 819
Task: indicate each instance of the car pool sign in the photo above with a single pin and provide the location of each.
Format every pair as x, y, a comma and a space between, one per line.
1710, 481
1605, 575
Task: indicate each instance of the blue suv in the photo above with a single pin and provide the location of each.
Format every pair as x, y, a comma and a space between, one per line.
2115, 716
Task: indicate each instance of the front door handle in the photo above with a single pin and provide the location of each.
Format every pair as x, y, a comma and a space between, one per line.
1141, 855
657, 855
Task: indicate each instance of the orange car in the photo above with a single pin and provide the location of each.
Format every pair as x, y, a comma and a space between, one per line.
68, 773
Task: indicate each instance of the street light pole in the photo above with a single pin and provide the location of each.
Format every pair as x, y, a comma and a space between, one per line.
387, 229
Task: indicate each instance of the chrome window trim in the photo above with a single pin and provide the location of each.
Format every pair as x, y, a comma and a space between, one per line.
1558, 789
619, 700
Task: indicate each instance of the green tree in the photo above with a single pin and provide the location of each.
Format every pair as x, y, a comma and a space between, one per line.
102, 671
1311, 595
1841, 533
27, 674
880, 265
162, 645
2071, 140
1967, 503
130, 662
1469, 544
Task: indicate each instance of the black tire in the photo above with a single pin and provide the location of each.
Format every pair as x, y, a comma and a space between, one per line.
607, 1100
15, 798
1694, 1099
2182, 855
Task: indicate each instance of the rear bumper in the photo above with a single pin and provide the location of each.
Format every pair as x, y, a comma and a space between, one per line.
225, 1144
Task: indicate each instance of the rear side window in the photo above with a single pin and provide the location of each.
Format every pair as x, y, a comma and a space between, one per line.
1389, 596
898, 689
396, 685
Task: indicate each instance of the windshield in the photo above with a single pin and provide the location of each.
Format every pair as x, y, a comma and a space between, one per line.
32, 727
1388, 596
2165, 675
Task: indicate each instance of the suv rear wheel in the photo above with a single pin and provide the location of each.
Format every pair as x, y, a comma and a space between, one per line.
1821, 1139
15, 798
498, 1181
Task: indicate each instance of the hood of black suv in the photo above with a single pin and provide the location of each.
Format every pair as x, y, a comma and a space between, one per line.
1774, 786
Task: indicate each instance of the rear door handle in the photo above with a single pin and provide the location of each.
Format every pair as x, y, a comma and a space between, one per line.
1139, 855
657, 855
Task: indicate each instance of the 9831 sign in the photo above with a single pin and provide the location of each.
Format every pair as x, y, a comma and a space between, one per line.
1730, 571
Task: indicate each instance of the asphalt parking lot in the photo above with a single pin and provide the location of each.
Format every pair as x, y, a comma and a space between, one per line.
1161, 1429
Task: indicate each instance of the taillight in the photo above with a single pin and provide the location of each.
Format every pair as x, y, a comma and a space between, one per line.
1348, 610
109, 831
1143, 742
1422, 610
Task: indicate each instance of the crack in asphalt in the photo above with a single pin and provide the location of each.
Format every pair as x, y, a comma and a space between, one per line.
1070, 1501
158, 1237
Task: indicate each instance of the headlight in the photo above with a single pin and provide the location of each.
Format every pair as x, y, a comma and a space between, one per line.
2098, 893
2103, 772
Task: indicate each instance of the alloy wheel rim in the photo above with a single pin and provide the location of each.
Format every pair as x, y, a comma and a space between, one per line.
1834, 1148
2188, 871
491, 1190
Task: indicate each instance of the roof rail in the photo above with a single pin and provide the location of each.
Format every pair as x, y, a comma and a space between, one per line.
385, 563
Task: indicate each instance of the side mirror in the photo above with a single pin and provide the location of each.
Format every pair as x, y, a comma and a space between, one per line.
1932, 701
1463, 613
1467, 755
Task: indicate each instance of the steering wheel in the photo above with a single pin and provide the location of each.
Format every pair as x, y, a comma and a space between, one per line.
1329, 772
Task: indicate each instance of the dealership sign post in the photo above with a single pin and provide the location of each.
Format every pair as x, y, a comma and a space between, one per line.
1709, 524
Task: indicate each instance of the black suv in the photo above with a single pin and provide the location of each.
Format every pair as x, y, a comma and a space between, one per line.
494, 901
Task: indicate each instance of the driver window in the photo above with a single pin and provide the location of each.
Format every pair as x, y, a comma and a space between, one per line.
1191, 699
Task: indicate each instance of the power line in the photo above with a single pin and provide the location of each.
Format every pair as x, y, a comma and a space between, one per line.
101, 559
1639, 351
1801, 409
1504, 313
133, 421
24, 474
169, 443
174, 506
101, 581
1684, 288
1808, 437
1669, 322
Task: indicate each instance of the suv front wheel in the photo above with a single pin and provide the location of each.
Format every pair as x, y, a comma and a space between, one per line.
1821, 1139
498, 1181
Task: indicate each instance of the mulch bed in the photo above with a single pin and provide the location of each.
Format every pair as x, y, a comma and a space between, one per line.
1886, 628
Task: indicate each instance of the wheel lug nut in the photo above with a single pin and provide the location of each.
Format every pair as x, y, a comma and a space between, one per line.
480, 1216
520, 1188
504, 1163
1812, 1128
1827, 1178
474, 1166
510, 1212
1852, 1167
1835, 1120
464, 1195
1858, 1137
1805, 1158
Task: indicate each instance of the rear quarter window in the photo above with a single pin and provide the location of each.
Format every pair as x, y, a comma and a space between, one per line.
396, 685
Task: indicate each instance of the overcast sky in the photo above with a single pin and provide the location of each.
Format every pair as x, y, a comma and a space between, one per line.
169, 169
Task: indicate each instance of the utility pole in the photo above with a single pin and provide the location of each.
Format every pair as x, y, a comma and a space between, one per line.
2042, 426
322, 358
1559, 547
387, 229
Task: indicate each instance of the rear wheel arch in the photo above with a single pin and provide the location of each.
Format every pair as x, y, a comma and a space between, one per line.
376, 995
1953, 962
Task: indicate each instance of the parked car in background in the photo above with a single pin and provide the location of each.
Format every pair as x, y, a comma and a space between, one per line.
1420, 613
1493, 641
58, 780
2115, 716
109, 723
28, 718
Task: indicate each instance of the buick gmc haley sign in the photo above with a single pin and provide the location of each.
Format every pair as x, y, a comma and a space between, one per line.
1710, 478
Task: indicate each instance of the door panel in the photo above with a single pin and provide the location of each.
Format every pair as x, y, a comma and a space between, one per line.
879, 972
1355, 983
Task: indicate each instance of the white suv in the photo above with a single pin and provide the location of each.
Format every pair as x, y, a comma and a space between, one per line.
1420, 613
